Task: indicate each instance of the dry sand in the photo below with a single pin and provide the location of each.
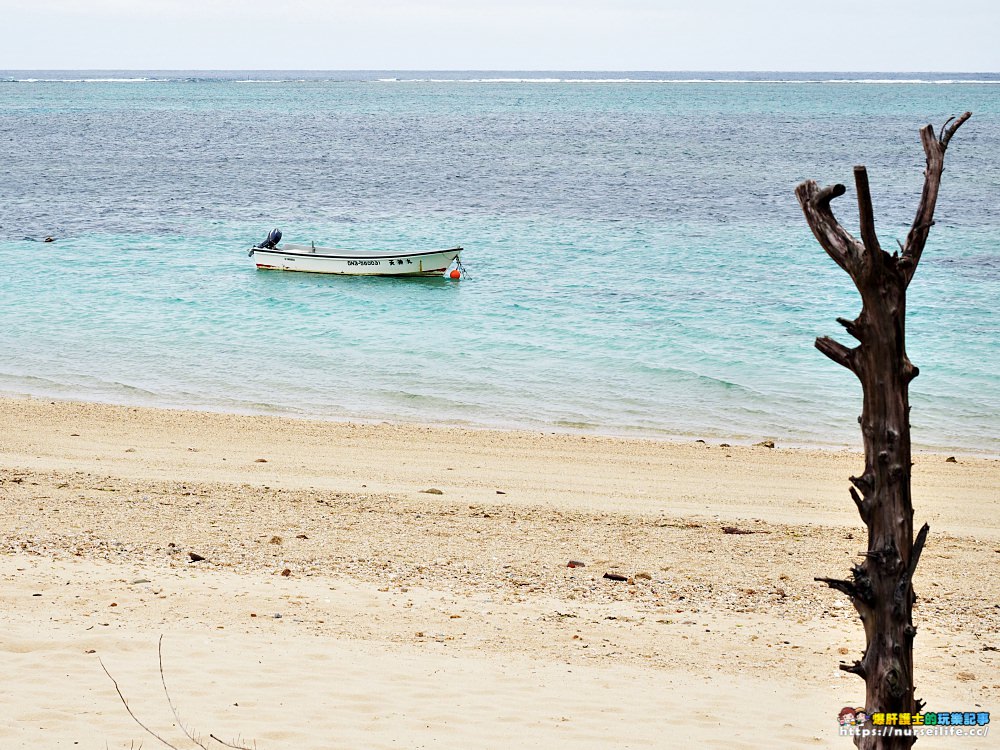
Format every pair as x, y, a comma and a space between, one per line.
410, 619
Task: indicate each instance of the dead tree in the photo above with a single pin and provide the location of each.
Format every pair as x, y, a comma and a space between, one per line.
880, 586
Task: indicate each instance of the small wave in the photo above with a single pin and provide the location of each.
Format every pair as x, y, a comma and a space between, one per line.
115, 79
879, 81
475, 80
93, 80
944, 81
527, 79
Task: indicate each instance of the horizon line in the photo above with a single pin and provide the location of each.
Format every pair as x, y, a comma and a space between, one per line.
505, 70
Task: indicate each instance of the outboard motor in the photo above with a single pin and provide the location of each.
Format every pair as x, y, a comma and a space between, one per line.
273, 238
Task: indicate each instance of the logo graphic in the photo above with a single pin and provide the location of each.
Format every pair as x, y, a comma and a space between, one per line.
850, 717
858, 722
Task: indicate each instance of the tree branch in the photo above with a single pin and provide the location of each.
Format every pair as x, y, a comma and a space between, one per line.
855, 668
845, 250
125, 703
867, 213
918, 547
836, 351
864, 507
955, 126
934, 148
845, 587
851, 326
863, 483
170, 701
825, 195
238, 745
905, 580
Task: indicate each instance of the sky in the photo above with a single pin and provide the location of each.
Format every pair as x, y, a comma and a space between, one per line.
781, 35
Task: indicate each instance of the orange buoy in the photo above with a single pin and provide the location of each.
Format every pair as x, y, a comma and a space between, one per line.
455, 273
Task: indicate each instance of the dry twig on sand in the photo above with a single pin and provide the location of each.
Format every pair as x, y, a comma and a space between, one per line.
238, 744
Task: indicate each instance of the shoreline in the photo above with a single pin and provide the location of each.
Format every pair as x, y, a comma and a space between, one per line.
425, 570
553, 429
549, 468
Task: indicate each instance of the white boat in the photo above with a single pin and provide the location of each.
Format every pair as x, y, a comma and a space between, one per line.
272, 256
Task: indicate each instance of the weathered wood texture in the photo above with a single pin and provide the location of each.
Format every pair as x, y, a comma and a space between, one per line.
880, 586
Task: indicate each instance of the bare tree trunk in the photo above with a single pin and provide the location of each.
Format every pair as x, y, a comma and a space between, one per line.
880, 586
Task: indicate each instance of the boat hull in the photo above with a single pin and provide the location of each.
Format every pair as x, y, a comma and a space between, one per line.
322, 260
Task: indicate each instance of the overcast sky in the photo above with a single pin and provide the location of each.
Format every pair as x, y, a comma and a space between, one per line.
860, 35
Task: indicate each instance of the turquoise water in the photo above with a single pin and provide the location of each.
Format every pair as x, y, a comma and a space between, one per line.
637, 261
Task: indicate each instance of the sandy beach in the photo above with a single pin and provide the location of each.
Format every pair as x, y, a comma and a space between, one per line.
390, 585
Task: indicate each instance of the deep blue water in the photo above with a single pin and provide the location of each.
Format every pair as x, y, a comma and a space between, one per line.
638, 262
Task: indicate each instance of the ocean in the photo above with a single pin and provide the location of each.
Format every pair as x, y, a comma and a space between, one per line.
637, 262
